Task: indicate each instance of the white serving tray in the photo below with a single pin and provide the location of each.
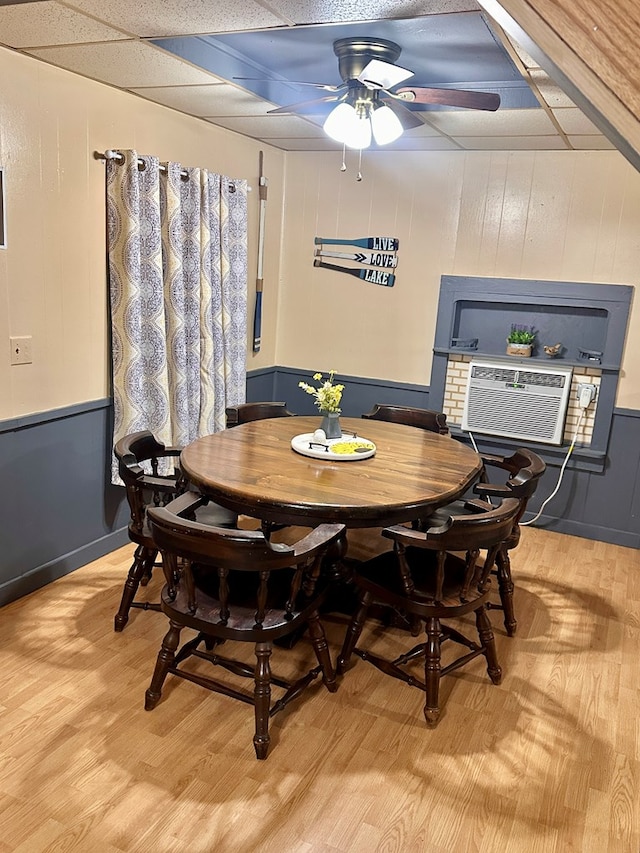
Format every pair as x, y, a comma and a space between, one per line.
349, 448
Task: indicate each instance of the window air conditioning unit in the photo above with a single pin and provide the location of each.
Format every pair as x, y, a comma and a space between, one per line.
528, 403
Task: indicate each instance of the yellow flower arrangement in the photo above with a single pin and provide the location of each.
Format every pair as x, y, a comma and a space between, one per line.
328, 395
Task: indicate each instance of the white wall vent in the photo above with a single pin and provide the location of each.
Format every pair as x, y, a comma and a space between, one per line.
516, 402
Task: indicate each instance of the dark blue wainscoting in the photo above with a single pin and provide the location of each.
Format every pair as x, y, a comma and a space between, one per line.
281, 383
58, 510
603, 506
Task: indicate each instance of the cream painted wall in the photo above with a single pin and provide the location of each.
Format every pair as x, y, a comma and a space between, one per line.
553, 215
52, 273
572, 216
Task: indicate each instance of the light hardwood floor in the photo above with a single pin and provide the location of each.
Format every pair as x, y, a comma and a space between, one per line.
548, 761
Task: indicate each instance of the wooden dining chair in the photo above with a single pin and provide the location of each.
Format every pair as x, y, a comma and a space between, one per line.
421, 577
140, 456
411, 416
525, 469
247, 412
237, 586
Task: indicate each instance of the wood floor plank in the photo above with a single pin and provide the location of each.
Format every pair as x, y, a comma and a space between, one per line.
547, 761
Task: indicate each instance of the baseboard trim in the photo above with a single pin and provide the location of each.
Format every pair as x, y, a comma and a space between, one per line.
587, 531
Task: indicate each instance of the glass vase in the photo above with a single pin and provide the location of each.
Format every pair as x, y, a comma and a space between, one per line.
331, 424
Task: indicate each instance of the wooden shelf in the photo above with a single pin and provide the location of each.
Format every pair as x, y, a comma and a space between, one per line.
547, 362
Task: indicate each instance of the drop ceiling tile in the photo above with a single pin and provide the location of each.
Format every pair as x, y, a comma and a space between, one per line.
153, 19
437, 143
327, 11
550, 91
421, 143
421, 132
305, 144
219, 99
48, 23
574, 121
269, 127
127, 64
527, 60
511, 143
501, 123
591, 143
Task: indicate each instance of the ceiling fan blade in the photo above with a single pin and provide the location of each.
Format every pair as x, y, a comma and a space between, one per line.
378, 74
407, 119
326, 86
449, 97
292, 108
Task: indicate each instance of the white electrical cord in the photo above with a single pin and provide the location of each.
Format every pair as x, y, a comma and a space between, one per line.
564, 465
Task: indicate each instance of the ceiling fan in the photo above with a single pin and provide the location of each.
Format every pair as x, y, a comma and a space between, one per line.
368, 102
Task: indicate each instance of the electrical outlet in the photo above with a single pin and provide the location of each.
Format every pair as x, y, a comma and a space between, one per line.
21, 350
585, 393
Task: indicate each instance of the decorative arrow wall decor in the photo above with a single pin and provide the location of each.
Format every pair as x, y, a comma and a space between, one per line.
374, 259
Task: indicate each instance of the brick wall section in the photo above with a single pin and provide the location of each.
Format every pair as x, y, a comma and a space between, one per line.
587, 375
456, 386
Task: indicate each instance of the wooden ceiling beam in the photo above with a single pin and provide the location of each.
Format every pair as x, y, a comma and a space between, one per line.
590, 49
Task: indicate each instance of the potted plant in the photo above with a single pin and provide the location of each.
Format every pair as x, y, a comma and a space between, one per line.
520, 340
327, 398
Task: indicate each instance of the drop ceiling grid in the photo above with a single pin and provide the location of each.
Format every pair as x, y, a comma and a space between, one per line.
103, 40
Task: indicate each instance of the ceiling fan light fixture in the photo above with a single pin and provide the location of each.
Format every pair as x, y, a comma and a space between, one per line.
337, 122
382, 75
386, 125
344, 124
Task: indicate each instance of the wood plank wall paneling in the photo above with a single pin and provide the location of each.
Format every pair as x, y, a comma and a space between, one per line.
547, 218
549, 215
515, 207
53, 272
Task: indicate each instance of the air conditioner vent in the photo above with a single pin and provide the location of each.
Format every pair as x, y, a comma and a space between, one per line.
546, 380
516, 403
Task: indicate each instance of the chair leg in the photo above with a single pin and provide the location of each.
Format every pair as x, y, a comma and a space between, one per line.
432, 671
262, 699
321, 648
143, 561
146, 575
505, 588
489, 644
166, 658
353, 633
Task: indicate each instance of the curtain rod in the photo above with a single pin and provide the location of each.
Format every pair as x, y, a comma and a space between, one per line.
111, 154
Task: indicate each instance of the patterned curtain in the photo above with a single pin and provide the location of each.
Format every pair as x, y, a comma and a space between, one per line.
178, 285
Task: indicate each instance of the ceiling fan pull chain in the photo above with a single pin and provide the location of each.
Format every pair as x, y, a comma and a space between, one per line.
359, 175
343, 168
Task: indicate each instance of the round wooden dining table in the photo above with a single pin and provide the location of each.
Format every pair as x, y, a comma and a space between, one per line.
253, 470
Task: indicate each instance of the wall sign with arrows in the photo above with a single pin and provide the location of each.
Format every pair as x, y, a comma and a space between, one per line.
382, 253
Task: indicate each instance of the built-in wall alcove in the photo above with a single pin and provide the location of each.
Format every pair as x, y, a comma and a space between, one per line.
578, 329
589, 320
